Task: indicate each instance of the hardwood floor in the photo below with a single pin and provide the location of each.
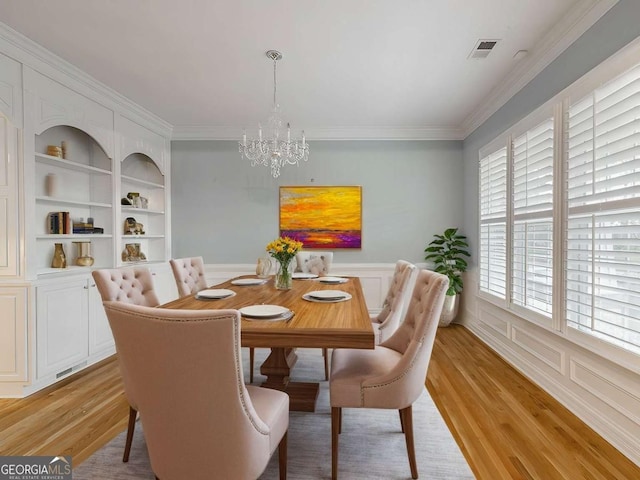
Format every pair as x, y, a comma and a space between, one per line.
506, 426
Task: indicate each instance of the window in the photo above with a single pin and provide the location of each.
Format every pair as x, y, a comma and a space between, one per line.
603, 224
532, 246
519, 233
493, 223
563, 190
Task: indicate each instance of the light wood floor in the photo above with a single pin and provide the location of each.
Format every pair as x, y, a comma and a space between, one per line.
506, 427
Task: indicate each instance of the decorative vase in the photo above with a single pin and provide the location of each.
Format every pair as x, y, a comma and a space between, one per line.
284, 276
59, 259
449, 310
84, 258
51, 185
263, 267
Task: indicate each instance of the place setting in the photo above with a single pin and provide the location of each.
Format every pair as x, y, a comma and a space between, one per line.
333, 280
327, 296
249, 281
271, 313
303, 276
214, 294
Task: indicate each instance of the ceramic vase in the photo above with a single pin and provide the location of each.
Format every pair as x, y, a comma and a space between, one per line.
84, 258
51, 185
263, 267
59, 259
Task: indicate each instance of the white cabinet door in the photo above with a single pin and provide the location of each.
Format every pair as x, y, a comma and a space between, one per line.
100, 336
61, 325
9, 234
13, 334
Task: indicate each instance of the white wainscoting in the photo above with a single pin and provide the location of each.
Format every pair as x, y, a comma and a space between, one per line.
604, 394
374, 277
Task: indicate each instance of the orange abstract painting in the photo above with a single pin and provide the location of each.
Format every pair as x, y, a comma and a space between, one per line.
322, 217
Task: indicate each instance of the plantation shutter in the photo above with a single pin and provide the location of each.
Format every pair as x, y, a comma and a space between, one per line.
493, 223
603, 237
532, 247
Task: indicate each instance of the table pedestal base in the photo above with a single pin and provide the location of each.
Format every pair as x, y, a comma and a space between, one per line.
277, 368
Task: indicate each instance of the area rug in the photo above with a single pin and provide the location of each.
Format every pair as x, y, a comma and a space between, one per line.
371, 443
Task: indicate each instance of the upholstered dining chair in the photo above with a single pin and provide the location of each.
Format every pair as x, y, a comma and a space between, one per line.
129, 285
393, 308
200, 421
189, 275
318, 263
391, 376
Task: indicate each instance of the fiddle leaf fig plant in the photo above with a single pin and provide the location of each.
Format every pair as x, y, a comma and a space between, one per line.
447, 252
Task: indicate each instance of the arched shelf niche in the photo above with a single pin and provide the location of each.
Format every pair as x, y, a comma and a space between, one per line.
142, 219
73, 187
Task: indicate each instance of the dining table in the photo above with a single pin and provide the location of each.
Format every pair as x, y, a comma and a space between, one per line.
310, 320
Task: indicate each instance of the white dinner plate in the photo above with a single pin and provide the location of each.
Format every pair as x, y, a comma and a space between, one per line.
288, 315
214, 293
309, 298
263, 311
303, 276
248, 281
328, 294
333, 280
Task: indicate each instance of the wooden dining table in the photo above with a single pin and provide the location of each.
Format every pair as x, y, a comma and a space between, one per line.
343, 324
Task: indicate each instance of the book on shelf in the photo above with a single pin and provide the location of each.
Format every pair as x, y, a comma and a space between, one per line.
59, 223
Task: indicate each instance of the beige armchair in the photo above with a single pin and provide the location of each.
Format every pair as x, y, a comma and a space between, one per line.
189, 275
318, 263
200, 420
132, 285
393, 308
393, 375
190, 279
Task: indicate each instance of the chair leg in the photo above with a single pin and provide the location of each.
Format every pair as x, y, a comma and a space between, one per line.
130, 429
251, 358
336, 415
282, 457
325, 353
407, 421
401, 420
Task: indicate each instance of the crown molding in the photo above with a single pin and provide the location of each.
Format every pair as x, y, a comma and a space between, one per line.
333, 133
35, 56
564, 33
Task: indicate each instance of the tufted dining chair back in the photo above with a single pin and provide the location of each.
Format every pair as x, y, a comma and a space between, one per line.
129, 285
200, 420
189, 275
395, 303
393, 375
318, 263
132, 285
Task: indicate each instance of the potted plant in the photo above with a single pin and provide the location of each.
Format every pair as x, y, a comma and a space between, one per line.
447, 252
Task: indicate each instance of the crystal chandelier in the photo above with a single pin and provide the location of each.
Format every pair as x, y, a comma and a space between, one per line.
272, 151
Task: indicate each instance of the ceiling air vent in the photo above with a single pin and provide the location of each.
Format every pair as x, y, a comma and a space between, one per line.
483, 48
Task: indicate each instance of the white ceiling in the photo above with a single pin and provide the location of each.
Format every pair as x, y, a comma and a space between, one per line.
351, 68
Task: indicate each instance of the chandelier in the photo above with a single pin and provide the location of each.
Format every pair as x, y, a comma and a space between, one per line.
273, 151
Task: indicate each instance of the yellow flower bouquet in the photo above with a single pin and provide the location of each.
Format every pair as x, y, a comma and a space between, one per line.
283, 249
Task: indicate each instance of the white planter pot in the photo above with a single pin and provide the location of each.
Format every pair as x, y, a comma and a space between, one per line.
449, 310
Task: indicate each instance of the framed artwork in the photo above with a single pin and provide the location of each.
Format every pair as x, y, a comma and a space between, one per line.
322, 217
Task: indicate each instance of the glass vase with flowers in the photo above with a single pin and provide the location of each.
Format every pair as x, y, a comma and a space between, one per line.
283, 250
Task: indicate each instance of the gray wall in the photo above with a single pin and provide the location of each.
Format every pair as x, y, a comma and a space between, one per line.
614, 30
227, 211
